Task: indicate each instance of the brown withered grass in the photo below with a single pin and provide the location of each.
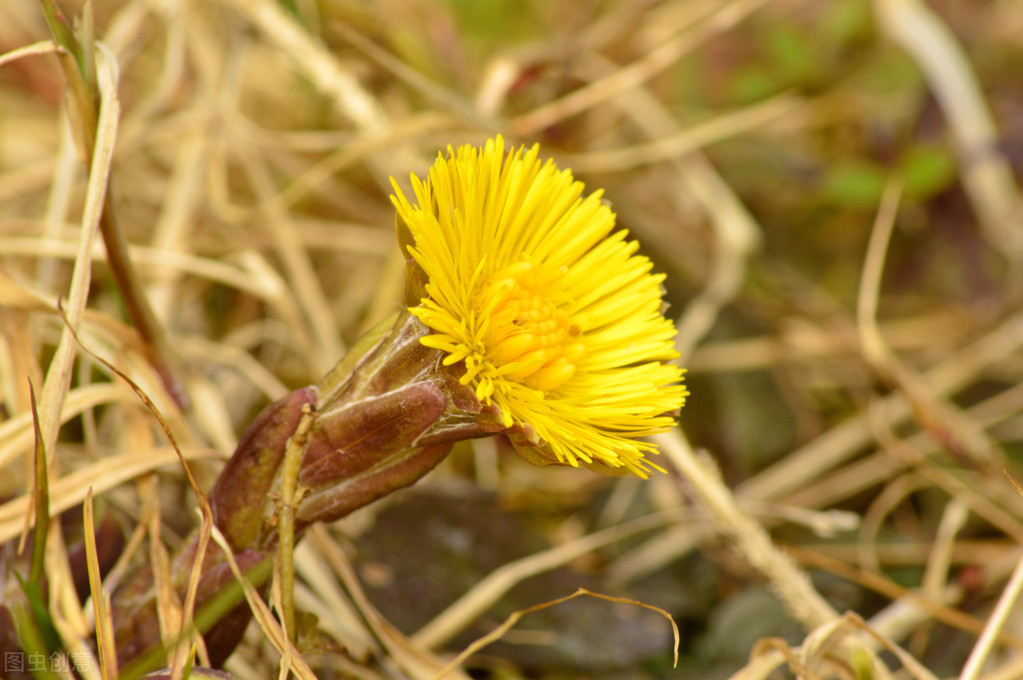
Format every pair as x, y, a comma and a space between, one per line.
831, 188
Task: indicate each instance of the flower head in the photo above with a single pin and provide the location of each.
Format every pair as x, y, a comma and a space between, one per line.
551, 313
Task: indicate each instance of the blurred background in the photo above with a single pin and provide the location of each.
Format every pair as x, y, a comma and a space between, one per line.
830, 186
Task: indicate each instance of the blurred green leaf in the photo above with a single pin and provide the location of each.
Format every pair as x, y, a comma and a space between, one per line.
892, 72
791, 54
855, 183
38, 631
845, 21
928, 169
751, 83
495, 20
291, 7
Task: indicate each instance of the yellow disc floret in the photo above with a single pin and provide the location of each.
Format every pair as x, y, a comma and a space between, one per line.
530, 332
555, 318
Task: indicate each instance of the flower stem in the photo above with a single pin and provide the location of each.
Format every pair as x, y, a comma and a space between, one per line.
290, 496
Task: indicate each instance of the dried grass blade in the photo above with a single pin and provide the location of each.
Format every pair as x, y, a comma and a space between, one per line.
206, 512
908, 661
37, 622
515, 616
105, 474
314, 61
986, 173
415, 661
16, 433
262, 614
41, 492
947, 615
88, 84
628, 77
963, 437
100, 600
678, 142
790, 583
874, 346
41, 47
993, 628
835, 446
467, 608
58, 377
308, 291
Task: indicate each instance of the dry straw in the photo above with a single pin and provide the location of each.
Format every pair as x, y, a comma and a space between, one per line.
250, 146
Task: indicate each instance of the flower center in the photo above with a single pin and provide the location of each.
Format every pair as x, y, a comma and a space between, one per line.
530, 337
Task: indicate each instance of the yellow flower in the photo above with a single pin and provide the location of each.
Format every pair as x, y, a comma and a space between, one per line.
554, 317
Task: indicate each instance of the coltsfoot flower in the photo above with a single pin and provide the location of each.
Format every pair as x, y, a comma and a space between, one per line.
551, 312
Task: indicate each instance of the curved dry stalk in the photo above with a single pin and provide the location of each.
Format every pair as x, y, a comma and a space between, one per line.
673, 145
790, 583
328, 75
628, 77
488, 591
961, 435
986, 173
267, 622
41, 47
840, 443
414, 660
69, 490
997, 620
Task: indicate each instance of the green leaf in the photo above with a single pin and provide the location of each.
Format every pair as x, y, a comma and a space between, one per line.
856, 184
928, 169
38, 632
